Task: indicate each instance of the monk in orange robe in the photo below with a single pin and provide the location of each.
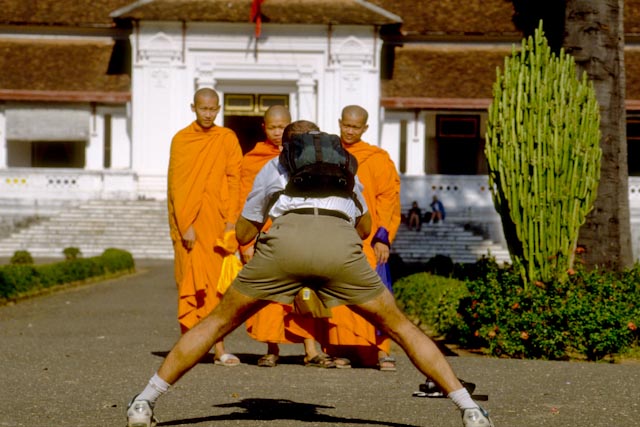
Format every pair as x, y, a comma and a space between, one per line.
276, 323
204, 204
347, 333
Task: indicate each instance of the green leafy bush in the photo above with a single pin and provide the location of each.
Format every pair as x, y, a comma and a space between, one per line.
430, 301
17, 279
593, 314
117, 260
72, 253
21, 258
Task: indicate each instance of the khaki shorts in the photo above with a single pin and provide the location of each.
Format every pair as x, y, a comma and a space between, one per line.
321, 252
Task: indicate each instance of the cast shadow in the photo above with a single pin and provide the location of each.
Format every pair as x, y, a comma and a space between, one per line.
279, 409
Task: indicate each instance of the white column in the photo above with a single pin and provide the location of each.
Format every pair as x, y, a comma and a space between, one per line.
307, 99
120, 142
159, 103
94, 154
3, 138
352, 77
390, 137
415, 145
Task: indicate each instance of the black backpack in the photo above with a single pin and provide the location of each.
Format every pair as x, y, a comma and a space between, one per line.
318, 166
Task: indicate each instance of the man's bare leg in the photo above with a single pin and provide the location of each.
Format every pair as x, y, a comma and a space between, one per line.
383, 312
234, 309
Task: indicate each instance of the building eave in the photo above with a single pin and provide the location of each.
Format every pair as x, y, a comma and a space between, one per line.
411, 103
64, 96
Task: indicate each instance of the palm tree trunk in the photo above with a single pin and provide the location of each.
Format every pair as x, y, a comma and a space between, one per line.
594, 36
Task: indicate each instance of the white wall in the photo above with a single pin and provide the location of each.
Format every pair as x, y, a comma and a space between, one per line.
321, 74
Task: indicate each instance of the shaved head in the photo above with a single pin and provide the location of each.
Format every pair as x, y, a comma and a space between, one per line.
206, 105
356, 112
276, 119
353, 124
298, 127
205, 93
277, 112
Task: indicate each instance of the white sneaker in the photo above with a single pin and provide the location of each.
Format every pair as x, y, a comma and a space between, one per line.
140, 414
476, 417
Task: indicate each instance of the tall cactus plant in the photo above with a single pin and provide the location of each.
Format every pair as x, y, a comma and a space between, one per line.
542, 147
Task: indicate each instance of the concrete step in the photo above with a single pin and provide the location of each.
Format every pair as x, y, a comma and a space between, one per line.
139, 227
449, 239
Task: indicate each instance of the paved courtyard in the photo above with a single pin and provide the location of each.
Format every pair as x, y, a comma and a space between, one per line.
75, 357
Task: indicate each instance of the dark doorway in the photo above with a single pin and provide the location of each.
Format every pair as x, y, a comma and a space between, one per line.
58, 154
459, 147
243, 113
248, 129
633, 145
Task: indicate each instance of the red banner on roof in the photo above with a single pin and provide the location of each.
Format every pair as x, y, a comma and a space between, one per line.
256, 16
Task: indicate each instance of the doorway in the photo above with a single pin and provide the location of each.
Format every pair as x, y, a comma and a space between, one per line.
243, 113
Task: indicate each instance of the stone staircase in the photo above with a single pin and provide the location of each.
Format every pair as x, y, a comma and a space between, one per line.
139, 227
450, 239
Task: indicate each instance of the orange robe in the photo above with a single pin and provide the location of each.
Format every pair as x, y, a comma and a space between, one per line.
275, 323
203, 192
349, 334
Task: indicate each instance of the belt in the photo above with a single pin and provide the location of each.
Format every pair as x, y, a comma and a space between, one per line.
320, 211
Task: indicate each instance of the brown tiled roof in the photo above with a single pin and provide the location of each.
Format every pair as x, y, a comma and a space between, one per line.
453, 17
48, 66
274, 11
632, 16
462, 77
457, 17
59, 12
444, 71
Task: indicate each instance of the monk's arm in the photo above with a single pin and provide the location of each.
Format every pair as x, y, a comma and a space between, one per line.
246, 230
233, 172
387, 194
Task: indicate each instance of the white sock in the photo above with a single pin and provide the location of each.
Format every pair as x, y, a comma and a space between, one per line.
156, 388
462, 399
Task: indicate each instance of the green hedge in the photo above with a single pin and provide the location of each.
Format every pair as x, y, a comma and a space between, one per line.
593, 315
16, 280
430, 301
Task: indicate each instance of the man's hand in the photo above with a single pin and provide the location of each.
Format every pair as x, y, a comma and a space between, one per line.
189, 238
382, 252
247, 254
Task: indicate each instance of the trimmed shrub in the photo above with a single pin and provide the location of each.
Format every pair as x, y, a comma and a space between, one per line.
21, 258
118, 260
17, 279
72, 253
430, 301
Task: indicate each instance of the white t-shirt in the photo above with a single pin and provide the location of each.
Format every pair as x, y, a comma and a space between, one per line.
273, 178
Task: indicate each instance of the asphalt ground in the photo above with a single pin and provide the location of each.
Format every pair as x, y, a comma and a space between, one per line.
75, 357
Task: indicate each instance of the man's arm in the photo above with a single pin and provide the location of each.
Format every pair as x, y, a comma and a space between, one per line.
363, 225
246, 230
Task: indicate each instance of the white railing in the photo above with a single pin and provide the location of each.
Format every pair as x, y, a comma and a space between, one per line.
461, 194
66, 184
469, 193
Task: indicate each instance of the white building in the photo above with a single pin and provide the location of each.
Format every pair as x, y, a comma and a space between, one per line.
92, 92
